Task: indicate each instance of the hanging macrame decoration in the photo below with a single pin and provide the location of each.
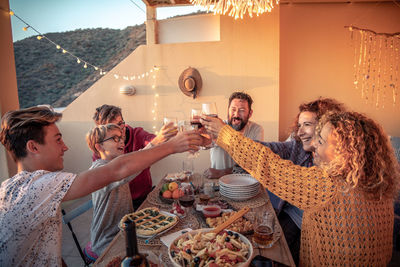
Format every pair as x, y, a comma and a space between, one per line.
376, 65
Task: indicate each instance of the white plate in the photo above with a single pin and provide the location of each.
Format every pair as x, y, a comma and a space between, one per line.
237, 180
239, 193
242, 238
241, 198
242, 190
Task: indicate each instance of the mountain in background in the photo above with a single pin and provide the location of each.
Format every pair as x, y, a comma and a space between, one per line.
47, 76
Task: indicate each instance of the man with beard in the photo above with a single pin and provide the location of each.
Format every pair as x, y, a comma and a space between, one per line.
239, 113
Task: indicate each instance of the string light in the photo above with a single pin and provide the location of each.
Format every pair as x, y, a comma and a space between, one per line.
376, 57
41, 36
152, 70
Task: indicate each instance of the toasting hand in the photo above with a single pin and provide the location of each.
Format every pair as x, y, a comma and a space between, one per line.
212, 125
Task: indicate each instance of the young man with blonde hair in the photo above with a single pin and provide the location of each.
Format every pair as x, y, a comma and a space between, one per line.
30, 213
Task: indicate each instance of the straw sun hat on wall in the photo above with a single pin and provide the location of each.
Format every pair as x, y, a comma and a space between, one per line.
190, 82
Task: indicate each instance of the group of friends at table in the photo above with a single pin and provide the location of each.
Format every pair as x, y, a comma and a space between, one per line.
332, 183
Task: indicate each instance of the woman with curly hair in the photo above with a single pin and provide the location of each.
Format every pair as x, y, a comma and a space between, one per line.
347, 200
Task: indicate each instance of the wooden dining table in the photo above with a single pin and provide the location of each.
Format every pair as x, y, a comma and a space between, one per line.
279, 252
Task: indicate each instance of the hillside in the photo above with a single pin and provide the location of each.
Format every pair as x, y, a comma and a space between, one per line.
47, 76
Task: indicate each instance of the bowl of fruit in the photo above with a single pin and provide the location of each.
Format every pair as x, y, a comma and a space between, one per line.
169, 192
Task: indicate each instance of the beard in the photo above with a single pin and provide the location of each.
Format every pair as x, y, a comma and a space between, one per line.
240, 126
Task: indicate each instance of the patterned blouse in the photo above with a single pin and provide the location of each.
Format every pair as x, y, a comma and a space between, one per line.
340, 228
30, 218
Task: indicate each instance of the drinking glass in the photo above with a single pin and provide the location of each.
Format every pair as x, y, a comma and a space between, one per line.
264, 224
187, 126
170, 119
186, 199
188, 166
195, 118
209, 109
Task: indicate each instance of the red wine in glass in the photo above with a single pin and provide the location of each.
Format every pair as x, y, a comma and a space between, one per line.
213, 115
186, 201
196, 124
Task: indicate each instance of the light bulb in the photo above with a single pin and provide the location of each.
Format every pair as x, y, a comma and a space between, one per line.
78, 60
85, 66
153, 111
58, 47
154, 76
156, 95
143, 75
11, 13
96, 68
147, 74
25, 28
154, 118
39, 37
154, 127
153, 86
64, 51
151, 70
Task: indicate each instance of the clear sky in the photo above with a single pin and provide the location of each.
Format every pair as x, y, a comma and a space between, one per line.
67, 15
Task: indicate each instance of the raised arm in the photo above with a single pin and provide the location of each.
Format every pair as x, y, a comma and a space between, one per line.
301, 186
127, 164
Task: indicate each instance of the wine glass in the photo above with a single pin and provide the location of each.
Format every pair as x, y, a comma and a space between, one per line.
187, 126
170, 119
186, 198
209, 109
195, 118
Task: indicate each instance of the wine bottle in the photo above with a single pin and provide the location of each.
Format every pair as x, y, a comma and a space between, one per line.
133, 258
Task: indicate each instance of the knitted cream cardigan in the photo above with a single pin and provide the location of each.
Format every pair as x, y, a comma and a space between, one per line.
339, 228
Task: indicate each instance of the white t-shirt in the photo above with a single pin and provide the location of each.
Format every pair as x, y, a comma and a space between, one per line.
220, 159
30, 218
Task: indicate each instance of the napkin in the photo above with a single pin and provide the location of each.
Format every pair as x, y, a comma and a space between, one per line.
168, 239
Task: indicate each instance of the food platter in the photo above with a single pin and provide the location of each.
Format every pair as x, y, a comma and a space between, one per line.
228, 245
161, 220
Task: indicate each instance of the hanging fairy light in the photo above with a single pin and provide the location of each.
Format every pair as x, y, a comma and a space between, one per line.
376, 64
86, 64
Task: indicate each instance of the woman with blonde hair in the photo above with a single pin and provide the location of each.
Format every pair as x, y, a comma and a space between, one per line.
347, 200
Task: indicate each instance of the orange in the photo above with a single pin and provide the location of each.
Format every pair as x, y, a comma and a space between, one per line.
172, 186
181, 193
176, 193
167, 194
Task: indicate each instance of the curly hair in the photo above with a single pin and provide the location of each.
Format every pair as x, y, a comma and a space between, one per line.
20, 126
98, 134
319, 107
364, 158
106, 113
242, 96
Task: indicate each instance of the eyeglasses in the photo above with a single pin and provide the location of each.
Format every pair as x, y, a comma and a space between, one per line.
116, 138
121, 123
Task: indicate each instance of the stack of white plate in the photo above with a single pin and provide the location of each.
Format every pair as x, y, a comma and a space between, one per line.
238, 186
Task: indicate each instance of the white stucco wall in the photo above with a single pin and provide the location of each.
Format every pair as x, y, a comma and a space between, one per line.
246, 58
205, 28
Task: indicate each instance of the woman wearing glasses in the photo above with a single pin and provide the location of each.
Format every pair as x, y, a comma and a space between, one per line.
135, 139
